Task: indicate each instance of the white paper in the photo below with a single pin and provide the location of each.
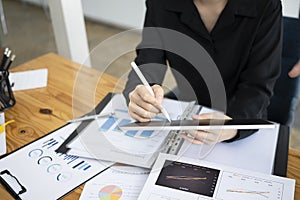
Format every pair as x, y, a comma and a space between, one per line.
175, 177
256, 152
122, 182
30, 79
103, 140
46, 174
291, 8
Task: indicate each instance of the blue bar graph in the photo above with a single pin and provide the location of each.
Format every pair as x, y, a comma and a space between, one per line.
87, 168
146, 134
108, 123
69, 158
78, 164
50, 143
122, 122
131, 133
82, 166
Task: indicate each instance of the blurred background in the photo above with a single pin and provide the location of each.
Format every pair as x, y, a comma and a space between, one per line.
30, 34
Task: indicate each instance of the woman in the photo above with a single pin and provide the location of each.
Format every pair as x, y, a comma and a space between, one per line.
243, 37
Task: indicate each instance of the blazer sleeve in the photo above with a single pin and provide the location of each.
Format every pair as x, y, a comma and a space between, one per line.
150, 58
257, 80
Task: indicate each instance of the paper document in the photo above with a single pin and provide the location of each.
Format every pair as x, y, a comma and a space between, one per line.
102, 139
256, 152
46, 174
30, 79
117, 182
140, 148
175, 178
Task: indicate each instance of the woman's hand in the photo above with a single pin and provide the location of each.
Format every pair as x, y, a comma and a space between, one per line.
295, 71
209, 136
143, 106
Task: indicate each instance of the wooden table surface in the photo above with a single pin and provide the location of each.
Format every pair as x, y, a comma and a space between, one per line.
68, 95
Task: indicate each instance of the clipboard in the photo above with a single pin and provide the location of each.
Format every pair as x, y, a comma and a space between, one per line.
63, 148
30, 171
173, 143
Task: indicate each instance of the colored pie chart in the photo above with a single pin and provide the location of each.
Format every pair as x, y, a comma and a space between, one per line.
110, 192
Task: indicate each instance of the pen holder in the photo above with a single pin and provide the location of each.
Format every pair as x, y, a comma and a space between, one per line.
7, 99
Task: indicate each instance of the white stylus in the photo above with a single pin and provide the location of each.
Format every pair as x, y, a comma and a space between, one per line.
145, 83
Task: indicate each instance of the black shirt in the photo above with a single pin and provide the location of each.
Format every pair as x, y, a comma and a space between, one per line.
245, 45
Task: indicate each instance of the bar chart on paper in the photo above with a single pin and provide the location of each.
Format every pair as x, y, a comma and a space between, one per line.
55, 163
121, 117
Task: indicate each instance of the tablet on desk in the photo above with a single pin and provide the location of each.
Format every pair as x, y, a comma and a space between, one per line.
206, 124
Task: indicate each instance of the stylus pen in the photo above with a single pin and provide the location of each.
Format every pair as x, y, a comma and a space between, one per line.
6, 67
91, 117
145, 83
4, 58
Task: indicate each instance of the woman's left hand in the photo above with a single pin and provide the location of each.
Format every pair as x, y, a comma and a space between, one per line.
209, 136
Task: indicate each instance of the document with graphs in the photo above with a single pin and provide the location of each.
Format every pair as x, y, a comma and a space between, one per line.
174, 178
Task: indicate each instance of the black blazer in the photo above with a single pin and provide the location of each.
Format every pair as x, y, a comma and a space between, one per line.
245, 45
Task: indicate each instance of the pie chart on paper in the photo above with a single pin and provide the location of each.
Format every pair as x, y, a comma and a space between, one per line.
110, 192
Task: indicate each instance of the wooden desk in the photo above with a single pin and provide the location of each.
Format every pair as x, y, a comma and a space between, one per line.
62, 73
58, 96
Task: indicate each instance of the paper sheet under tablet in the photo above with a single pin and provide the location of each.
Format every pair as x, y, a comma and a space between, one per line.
256, 152
30, 79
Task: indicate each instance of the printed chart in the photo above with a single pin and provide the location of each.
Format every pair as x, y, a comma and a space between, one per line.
120, 118
239, 186
189, 178
110, 192
118, 182
49, 175
53, 163
177, 177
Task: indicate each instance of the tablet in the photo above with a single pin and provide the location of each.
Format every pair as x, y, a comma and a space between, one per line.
206, 124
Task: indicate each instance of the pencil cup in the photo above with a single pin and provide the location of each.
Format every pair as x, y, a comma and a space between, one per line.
2, 134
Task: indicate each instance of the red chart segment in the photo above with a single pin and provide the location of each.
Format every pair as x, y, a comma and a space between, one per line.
110, 192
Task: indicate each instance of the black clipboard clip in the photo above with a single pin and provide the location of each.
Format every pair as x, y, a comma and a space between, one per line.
9, 188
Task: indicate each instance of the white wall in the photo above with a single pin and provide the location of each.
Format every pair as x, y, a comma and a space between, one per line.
124, 13
291, 8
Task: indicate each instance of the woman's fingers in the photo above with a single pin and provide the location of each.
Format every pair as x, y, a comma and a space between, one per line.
213, 115
159, 93
191, 139
143, 106
201, 137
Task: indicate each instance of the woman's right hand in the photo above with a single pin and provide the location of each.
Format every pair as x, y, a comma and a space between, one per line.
142, 105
